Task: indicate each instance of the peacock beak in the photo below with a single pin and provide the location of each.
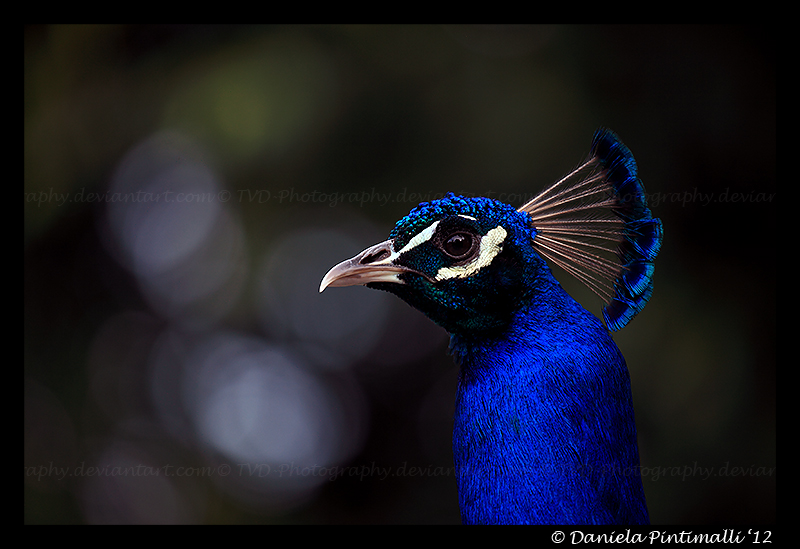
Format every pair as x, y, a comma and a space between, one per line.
375, 264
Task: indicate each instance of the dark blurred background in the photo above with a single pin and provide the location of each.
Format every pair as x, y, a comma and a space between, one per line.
187, 187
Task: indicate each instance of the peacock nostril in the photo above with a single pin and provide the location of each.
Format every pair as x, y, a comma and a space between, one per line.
377, 255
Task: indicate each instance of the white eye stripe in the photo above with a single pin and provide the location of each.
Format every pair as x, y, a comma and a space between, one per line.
491, 245
424, 236
421, 238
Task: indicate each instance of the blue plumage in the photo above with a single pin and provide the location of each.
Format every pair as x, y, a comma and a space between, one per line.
544, 424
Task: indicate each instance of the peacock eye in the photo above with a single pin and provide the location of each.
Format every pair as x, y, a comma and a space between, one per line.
458, 245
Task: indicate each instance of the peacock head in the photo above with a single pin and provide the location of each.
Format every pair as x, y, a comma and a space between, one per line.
471, 263
467, 263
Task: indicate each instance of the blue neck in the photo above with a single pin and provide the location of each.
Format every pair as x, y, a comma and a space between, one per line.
544, 426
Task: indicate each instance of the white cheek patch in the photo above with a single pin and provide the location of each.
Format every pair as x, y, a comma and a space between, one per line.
491, 245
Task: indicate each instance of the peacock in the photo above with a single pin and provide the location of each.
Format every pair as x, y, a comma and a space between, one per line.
544, 429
